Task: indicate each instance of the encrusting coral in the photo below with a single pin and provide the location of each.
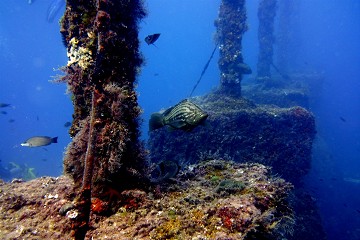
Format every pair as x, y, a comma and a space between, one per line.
214, 199
101, 37
231, 26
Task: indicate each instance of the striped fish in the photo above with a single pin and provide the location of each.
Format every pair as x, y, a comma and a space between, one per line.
185, 116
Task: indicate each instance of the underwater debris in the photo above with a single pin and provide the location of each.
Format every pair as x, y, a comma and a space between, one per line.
164, 170
204, 70
65, 208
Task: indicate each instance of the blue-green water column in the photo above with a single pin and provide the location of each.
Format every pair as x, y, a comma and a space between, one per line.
266, 15
231, 25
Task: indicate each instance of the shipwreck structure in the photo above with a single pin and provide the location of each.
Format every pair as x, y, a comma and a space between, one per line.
266, 15
223, 185
240, 129
289, 40
259, 123
105, 155
231, 26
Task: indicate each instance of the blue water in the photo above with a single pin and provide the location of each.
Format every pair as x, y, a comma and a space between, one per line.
329, 43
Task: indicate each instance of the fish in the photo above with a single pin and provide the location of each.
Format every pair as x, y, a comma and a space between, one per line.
352, 180
4, 105
185, 116
67, 124
165, 170
39, 141
3, 112
342, 119
150, 39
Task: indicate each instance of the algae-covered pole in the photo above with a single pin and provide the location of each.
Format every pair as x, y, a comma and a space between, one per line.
105, 155
288, 39
231, 25
266, 15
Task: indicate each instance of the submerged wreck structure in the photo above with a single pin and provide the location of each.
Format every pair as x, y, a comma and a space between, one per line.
225, 187
266, 15
243, 125
105, 155
231, 26
239, 128
278, 33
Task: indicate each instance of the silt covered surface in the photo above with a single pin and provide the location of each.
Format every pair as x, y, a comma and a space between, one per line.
285, 90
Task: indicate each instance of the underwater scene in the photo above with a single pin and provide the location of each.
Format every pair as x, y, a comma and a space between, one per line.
179, 119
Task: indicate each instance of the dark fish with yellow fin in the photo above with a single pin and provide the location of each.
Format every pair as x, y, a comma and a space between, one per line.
39, 141
185, 116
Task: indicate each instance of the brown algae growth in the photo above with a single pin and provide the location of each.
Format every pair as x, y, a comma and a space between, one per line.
214, 199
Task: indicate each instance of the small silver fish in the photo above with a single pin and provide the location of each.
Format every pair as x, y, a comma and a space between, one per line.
39, 141
185, 116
